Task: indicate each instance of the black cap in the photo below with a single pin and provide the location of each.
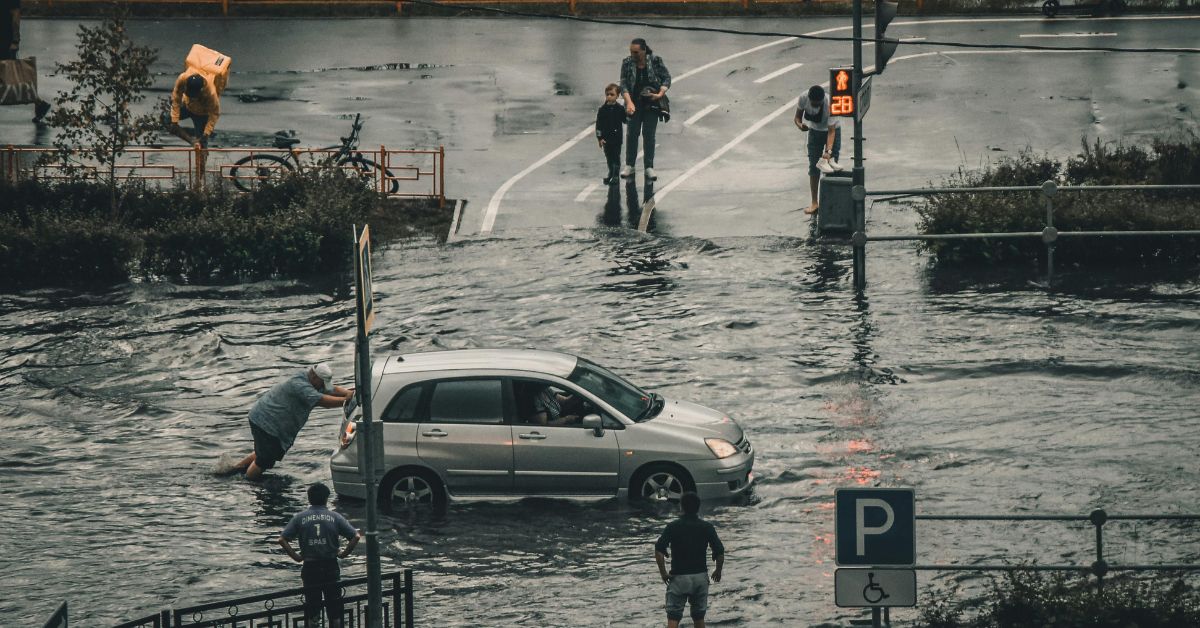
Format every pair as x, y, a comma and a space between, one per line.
195, 84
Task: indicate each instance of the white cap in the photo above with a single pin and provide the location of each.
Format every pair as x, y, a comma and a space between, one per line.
325, 374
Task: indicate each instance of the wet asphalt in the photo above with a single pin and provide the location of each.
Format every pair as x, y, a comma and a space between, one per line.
503, 95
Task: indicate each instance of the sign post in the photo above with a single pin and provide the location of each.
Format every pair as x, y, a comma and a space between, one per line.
874, 528
365, 309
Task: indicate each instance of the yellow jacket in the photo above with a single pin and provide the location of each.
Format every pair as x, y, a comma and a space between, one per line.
208, 103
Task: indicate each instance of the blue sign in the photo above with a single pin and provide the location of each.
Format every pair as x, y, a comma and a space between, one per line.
875, 526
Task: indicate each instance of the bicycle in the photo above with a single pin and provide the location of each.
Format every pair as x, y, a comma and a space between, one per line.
250, 172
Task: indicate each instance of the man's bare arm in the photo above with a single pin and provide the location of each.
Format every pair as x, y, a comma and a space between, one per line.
287, 547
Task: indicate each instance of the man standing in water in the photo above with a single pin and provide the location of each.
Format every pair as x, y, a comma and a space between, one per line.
279, 414
688, 538
318, 529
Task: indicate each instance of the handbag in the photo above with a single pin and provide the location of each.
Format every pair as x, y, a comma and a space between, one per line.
18, 81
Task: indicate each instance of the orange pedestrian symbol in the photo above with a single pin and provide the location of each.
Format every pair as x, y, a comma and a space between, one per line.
843, 81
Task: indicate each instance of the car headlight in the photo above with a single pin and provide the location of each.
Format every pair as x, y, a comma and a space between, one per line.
349, 430
720, 447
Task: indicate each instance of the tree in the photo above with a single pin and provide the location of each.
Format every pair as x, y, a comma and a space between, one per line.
95, 119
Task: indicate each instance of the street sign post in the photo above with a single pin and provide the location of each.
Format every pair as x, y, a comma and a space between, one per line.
875, 527
874, 588
365, 311
864, 99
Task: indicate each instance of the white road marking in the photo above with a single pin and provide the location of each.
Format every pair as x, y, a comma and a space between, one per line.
777, 73
493, 208
588, 190
703, 112
1051, 36
648, 207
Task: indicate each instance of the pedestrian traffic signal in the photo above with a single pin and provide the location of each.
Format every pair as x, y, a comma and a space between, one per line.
885, 47
841, 92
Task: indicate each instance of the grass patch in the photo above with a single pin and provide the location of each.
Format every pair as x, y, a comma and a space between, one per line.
66, 234
1026, 599
1163, 162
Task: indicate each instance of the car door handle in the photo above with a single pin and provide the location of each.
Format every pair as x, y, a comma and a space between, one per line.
533, 436
435, 434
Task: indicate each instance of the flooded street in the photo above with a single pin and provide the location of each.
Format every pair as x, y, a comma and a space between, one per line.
986, 395
983, 391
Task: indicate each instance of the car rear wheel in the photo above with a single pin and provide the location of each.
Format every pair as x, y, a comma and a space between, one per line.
661, 483
413, 489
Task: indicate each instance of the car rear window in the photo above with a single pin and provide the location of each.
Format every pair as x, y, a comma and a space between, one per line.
403, 408
467, 401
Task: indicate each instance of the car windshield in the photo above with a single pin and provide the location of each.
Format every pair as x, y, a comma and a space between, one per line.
628, 399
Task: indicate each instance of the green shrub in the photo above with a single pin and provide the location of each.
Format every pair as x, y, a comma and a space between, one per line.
65, 233
1164, 162
1026, 599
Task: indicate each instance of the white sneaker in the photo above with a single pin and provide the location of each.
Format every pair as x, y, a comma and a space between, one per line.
650, 176
823, 166
836, 166
626, 172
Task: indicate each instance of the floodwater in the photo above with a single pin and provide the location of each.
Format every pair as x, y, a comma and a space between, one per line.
985, 393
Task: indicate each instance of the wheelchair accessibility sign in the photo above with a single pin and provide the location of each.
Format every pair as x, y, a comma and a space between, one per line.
868, 588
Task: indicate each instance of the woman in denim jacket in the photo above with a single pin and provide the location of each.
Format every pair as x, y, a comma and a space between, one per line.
644, 81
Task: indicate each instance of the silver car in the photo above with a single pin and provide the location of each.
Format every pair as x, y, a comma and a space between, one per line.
475, 423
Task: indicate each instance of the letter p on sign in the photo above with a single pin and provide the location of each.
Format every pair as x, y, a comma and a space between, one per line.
875, 527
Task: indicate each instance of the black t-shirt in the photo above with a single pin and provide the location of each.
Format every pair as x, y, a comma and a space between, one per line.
643, 81
689, 538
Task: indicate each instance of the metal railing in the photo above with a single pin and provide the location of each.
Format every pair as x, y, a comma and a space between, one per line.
404, 173
285, 609
1049, 234
1099, 567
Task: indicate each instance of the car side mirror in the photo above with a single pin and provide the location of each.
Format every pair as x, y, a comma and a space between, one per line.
595, 423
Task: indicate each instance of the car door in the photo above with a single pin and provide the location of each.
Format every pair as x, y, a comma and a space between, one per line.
561, 459
465, 438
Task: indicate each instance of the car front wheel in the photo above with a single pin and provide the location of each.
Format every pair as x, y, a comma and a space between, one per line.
661, 483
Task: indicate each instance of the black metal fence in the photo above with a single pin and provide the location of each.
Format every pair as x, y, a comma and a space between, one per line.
285, 609
1099, 567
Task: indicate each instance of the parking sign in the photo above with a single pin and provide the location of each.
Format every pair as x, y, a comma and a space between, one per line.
875, 526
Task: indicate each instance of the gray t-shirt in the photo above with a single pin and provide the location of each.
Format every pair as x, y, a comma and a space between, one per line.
318, 529
816, 117
284, 409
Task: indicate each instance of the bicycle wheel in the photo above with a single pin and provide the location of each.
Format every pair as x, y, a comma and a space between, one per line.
367, 171
250, 173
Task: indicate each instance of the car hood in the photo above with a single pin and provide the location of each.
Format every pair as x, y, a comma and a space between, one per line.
700, 419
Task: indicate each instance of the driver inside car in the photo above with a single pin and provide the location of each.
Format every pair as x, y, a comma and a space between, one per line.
555, 407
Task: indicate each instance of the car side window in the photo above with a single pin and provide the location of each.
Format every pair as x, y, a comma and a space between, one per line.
403, 408
467, 401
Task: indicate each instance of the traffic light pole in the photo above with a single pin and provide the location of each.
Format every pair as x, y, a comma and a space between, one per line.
860, 211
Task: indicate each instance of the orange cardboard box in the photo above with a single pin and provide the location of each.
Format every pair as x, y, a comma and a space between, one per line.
211, 63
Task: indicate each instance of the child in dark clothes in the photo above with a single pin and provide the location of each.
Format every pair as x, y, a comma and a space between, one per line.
609, 121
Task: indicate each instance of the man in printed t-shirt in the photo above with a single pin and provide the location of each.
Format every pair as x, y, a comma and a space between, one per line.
282, 411
319, 530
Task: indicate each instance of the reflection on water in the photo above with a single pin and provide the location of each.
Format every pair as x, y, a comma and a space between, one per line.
985, 395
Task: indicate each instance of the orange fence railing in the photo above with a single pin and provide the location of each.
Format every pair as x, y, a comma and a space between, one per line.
395, 173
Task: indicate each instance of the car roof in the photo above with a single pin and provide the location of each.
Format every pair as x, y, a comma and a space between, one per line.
535, 361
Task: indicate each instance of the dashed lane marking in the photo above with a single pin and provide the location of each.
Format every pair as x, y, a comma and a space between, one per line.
700, 114
777, 73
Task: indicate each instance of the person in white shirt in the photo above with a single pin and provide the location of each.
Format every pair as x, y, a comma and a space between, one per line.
824, 137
